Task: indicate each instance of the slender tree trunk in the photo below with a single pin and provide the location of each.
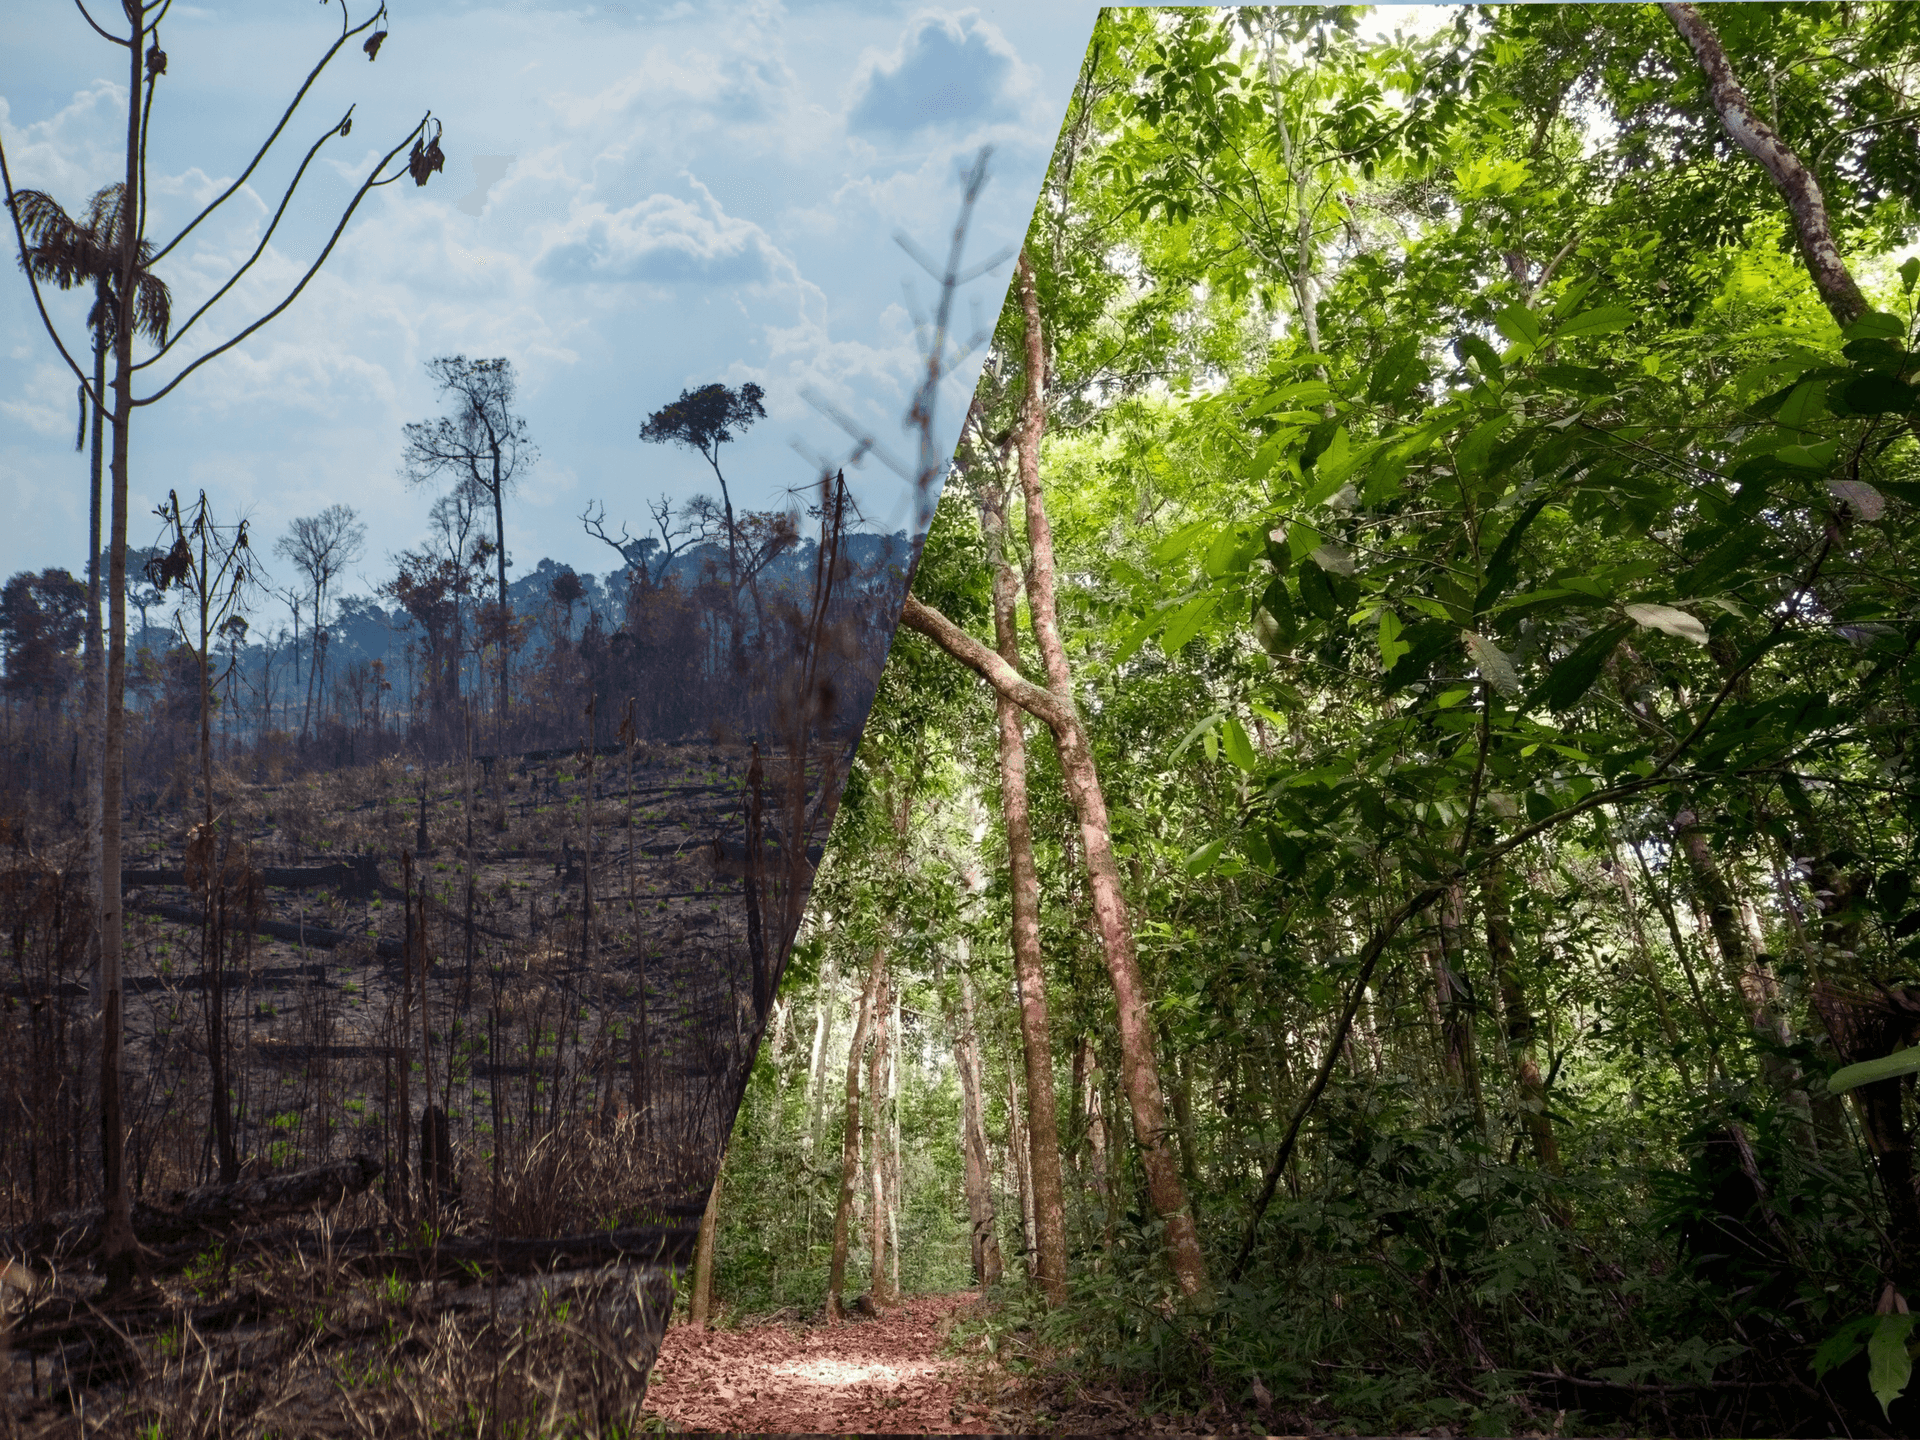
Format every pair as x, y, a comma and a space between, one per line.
119, 1251
877, 1143
1018, 1151
702, 1299
500, 563
824, 990
1456, 1004
1522, 1028
1043, 1160
1749, 974
1140, 1071
850, 1140
984, 1243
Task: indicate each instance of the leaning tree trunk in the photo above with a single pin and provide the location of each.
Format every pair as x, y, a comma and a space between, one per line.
703, 1253
1043, 1136
1140, 1071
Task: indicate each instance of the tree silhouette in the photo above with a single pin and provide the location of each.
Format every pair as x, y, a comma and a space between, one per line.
482, 443
322, 546
703, 420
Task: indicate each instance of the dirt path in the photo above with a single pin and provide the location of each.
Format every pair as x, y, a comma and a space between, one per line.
870, 1376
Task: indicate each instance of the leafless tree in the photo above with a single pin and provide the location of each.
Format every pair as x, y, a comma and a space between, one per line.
482, 443
321, 546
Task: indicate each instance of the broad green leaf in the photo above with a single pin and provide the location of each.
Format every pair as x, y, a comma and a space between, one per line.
1668, 620
1901, 1062
1808, 457
1203, 860
1188, 620
1873, 394
1804, 404
1909, 273
1316, 593
1392, 647
1519, 324
1492, 662
1485, 356
1575, 673
1578, 378
1180, 541
1235, 744
1604, 321
1889, 1362
1302, 541
1204, 727
1875, 325
1300, 392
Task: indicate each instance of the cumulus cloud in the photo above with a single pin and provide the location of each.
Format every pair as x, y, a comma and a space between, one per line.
946, 70
661, 240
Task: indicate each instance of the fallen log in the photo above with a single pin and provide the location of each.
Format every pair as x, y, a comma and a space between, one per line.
357, 875
191, 1215
315, 935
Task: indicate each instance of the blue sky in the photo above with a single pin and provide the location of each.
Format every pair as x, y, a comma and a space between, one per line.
638, 198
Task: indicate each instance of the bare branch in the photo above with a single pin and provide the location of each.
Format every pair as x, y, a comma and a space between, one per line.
260, 249
312, 270
96, 26
267, 145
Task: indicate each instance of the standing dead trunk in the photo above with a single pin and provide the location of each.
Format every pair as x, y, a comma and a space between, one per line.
1043, 1155
850, 1141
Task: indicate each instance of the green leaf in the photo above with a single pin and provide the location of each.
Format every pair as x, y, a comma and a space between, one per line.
1889, 1362
1487, 357
1492, 662
1841, 1346
1300, 392
1909, 273
1604, 321
1201, 861
1392, 647
1876, 325
1668, 620
1316, 593
1805, 403
1519, 324
1575, 673
1187, 621
1579, 378
1180, 542
1389, 369
1901, 1062
1236, 746
1502, 567
1873, 394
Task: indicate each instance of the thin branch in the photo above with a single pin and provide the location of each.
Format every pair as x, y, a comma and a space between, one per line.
267, 145
312, 270
258, 251
104, 35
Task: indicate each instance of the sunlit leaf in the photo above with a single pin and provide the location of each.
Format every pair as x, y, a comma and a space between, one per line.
1668, 620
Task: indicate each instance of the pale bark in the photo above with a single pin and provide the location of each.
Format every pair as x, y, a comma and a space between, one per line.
877, 1144
1018, 1151
1043, 1139
702, 1300
850, 1141
984, 1243
817, 1065
1790, 176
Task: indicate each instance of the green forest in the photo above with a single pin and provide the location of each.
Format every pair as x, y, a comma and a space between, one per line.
1379, 888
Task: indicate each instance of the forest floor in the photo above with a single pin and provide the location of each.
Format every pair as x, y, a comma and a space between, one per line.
882, 1375
887, 1376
